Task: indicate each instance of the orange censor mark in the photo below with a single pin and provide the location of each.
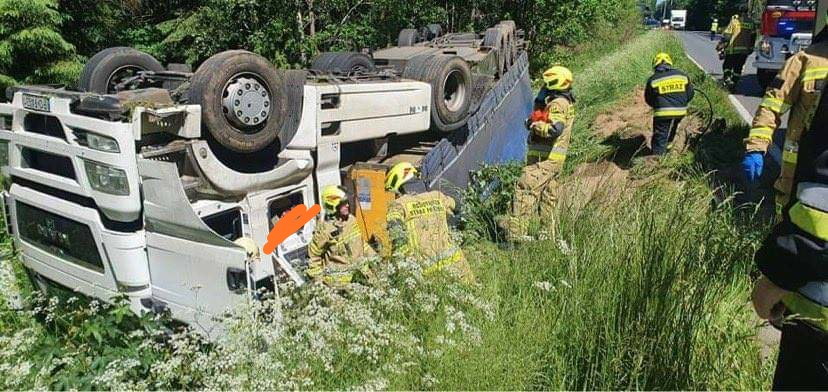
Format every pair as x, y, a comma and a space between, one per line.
289, 224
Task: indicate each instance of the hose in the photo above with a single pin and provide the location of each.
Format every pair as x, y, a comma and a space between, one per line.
709, 112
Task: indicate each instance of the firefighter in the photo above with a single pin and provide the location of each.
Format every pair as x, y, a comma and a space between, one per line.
795, 89
714, 28
337, 249
668, 92
735, 46
792, 259
549, 133
418, 225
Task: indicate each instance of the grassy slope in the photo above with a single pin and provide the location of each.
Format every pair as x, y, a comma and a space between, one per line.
648, 293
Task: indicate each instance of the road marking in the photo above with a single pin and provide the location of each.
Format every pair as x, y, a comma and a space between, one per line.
743, 112
696, 62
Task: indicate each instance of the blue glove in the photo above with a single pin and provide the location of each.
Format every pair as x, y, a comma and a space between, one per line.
752, 165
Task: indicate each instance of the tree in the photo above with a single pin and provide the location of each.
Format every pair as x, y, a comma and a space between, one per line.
31, 49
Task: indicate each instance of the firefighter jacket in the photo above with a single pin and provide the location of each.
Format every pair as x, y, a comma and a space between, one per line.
795, 255
668, 92
418, 226
739, 36
796, 88
549, 140
714, 27
336, 251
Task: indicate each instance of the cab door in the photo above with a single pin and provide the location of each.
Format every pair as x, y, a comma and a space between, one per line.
196, 273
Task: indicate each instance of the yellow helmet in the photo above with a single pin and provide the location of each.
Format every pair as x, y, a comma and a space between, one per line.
662, 58
332, 197
557, 78
398, 175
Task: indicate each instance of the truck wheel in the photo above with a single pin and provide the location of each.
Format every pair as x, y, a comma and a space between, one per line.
407, 37
432, 31
242, 100
765, 77
496, 40
451, 88
346, 62
111, 66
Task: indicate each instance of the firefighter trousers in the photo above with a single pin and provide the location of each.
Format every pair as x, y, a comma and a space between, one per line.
803, 358
664, 131
733, 65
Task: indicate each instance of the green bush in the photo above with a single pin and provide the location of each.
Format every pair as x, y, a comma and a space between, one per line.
31, 48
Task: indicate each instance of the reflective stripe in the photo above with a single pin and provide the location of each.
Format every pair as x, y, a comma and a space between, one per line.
443, 263
810, 220
555, 117
669, 79
775, 105
557, 154
790, 151
670, 112
814, 73
761, 133
810, 311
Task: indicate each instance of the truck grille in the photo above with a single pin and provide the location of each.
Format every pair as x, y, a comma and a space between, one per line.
44, 125
59, 236
49, 163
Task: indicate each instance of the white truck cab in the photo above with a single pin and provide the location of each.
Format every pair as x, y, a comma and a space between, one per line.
94, 208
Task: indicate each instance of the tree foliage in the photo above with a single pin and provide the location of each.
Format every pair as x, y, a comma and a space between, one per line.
32, 49
40, 37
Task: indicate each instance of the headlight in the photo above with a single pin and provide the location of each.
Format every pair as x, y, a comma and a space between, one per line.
4, 152
95, 141
107, 179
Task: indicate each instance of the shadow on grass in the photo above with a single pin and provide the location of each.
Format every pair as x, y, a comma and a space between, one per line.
625, 149
719, 152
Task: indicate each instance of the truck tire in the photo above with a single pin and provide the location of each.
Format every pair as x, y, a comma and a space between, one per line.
765, 77
111, 66
431, 32
254, 120
407, 37
496, 40
451, 88
343, 62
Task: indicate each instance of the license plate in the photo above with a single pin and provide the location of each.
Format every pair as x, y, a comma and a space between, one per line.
36, 102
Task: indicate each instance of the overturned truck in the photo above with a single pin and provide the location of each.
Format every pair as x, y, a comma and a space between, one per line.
161, 184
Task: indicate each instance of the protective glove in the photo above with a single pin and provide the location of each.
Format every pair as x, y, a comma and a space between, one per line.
767, 299
752, 165
540, 128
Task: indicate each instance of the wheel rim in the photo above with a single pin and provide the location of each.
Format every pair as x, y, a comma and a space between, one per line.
121, 74
246, 101
454, 90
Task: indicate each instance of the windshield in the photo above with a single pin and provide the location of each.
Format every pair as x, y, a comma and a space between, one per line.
678, 19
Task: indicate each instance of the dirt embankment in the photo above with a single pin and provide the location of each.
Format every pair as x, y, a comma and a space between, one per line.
627, 129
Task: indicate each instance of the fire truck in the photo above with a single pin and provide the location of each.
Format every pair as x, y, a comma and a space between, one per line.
786, 28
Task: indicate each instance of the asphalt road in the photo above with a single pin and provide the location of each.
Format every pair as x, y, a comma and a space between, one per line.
702, 50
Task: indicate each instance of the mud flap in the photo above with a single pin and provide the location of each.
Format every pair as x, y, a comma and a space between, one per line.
196, 273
